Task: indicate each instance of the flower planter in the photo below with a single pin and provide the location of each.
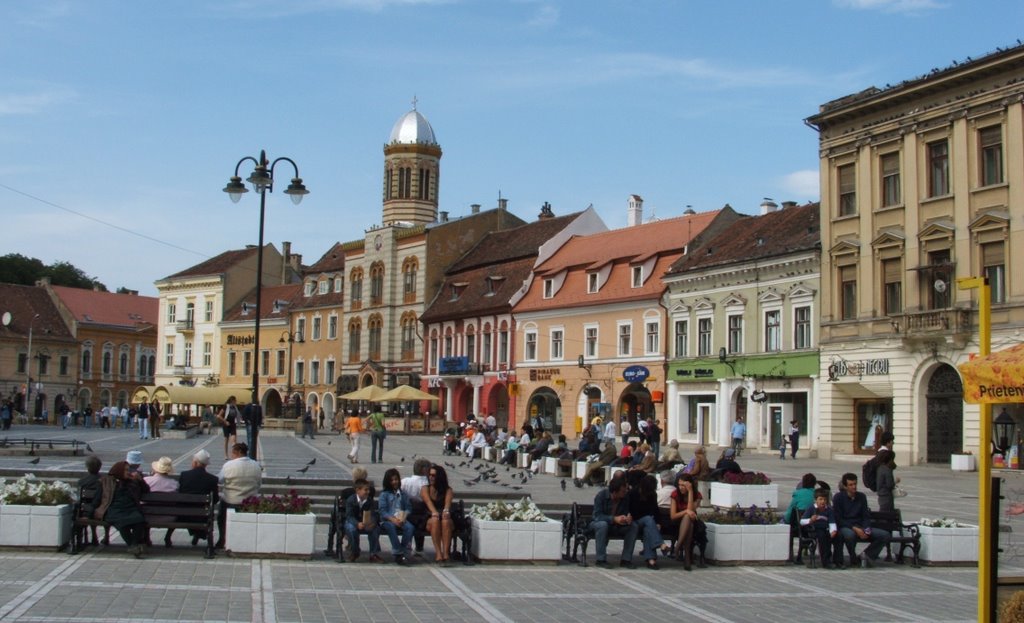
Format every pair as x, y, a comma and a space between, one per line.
726, 495
704, 488
39, 526
579, 469
949, 544
523, 460
962, 463
490, 454
517, 540
270, 533
748, 543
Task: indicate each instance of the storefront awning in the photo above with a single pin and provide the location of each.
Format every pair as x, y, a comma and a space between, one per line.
995, 378
183, 394
862, 389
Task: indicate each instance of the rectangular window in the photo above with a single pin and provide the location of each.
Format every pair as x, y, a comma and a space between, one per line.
891, 180
938, 168
847, 190
64, 362
773, 330
625, 340
638, 276
232, 362
408, 282
503, 347
317, 322
308, 289
994, 264
264, 362
337, 285
848, 292
590, 338
325, 287
802, 327
591, 283
549, 288
22, 363
556, 344
448, 346
329, 373
530, 346
169, 355
188, 358
485, 349
279, 368
172, 313
704, 337
247, 363
357, 292
300, 373
208, 313
892, 278
207, 354
300, 329
940, 296
332, 327
314, 373
991, 140
652, 339
682, 337
471, 347
735, 333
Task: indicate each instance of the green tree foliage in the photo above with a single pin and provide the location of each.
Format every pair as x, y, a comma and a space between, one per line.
18, 269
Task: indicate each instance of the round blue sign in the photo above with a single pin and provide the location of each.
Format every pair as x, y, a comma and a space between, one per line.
635, 374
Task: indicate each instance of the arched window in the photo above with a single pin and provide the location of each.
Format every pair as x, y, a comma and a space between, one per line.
355, 328
375, 324
356, 290
408, 336
122, 367
410, 267
424, 190
87, 361
108, 362
388, 173
377, 283
151, 368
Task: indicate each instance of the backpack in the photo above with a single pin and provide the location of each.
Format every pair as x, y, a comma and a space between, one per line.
869, 473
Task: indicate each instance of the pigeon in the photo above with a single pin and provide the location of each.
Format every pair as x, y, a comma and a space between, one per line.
328, 443
578, 483
88, 448
477, 479
447, 464
508, 468
403, 459
35, 461
517, 488
462, 464
288, 479
523, 481
413, 456
563, 484
32, 452
468, 483
313, 462
304, 469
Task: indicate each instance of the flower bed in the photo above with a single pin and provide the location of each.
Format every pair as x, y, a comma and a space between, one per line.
272, 525
35, 513
728, 495
750, 534
517, 531
947, 540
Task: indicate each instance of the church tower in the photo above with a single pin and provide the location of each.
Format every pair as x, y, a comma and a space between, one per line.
412, 161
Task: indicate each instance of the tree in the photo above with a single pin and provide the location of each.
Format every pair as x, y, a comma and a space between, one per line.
20, 270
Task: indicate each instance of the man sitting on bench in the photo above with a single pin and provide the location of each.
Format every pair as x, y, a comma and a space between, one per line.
612, 519
854, 521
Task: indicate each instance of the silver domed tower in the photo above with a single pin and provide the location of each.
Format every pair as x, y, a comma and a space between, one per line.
412, 161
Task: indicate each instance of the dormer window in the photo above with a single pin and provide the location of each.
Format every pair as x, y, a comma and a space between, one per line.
638, 276
337, 284
325, 286
454, 292
549, 288
488, 287
591, 283
308, 289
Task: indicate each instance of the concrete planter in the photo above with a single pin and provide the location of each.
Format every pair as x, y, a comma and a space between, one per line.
523, 460
579, 469
962, 463
748, 543
270, 533
37, 526
949, 544
550, 465
490, 454
517, 540
727, 496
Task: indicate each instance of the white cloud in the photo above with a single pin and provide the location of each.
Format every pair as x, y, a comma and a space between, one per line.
545, 17
803, 184
890, 6
31, 103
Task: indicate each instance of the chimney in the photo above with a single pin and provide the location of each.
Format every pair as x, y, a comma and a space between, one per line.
635, 212
286, 261
474, 208
768, 206
545, 212
502, 203
442, 216
786, 205
295, 261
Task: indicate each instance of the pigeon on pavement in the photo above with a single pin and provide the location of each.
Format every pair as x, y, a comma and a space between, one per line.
35, 461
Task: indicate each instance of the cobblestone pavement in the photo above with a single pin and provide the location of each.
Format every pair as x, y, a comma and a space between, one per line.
106, 585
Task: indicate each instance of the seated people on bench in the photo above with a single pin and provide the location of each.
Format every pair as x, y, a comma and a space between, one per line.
595, 470
359, 519
87, 484
854, 521
821, 517
612, 519
647, 461
644, 512
160, 479
698, 466
670, 457
120, 493
412, 486
477, 444
685, 502
197, 481
395, 509
803, 498
240, 478
437, 497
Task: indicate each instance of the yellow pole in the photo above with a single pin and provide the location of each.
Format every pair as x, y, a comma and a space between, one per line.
985, 571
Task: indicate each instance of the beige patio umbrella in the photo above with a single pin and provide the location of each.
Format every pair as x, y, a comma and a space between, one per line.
406, 393
373, 393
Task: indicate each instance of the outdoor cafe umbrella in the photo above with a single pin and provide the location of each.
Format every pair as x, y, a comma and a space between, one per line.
372, 393
995, 378
405, 393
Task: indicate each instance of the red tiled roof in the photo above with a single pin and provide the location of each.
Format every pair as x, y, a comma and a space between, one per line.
332, 261
24, 302
290, 293
217, 264
509, 244
757, 237
108, 308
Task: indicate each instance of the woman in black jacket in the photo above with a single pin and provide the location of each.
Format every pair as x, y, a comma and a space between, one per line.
120, 493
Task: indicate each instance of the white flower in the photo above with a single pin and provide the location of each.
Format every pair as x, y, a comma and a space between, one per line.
944, 522
523, 510
29, 490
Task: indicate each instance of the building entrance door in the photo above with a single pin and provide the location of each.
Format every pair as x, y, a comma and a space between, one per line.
945, 419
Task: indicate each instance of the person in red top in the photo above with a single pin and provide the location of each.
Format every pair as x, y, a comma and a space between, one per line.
685, 501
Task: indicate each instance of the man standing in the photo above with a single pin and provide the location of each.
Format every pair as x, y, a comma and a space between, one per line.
253, 418
654, 436
609, 431
491, 423
612, 518
241, 477
625, 429
854, 521
198, 481
307, 423
353, 427
144, 419
377, 434
738, 434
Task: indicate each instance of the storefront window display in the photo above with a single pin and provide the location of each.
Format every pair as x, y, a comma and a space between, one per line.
871, 419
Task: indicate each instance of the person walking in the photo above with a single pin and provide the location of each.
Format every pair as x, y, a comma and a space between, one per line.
353, 427
885, 480
377, 435
228, 419
738, 434
794, 439
307, 423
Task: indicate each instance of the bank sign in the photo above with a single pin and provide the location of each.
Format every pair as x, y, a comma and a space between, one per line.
635, 374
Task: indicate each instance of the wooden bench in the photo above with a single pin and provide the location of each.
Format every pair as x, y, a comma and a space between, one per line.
577, 532
462, 537
160, 509
904, 535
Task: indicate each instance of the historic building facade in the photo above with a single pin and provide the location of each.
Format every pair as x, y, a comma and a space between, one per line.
922, 184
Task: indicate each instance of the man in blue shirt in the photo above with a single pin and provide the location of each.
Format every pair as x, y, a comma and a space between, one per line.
738, 433
854, 521
612, 518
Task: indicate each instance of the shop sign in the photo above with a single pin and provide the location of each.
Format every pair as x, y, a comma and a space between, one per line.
635, 374
864, 367
453, 365
544, 374
241, 340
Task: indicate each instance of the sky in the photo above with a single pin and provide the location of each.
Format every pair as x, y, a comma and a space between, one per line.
121, 121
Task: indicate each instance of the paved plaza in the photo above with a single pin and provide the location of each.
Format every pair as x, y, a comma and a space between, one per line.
106, 585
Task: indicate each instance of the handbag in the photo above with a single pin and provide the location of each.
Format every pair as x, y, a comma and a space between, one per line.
899, 492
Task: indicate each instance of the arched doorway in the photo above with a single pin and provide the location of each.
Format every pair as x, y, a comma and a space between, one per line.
328, 406
463, 403
945, 423
497, 401
84, 398
272, 404
635, 403
544, 403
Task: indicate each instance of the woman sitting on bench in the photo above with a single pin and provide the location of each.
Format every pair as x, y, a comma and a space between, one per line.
120, 492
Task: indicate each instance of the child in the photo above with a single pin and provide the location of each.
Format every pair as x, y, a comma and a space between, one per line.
782, 448
821, 518
359, 519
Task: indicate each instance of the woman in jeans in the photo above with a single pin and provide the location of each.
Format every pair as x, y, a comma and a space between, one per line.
643, 507
395, 507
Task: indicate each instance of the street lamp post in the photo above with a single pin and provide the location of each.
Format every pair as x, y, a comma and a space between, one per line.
290, 337
262, 180
28, 371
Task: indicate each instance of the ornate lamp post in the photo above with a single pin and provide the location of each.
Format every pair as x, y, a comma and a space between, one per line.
290, 337
262, 180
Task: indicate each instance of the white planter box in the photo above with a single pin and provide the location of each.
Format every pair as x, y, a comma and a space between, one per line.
38, 526
517, 540
270, 533
550, 465
523, 460
726, 495
704, 488
949, 544
490, 454
579, 469
963, 463
748, 543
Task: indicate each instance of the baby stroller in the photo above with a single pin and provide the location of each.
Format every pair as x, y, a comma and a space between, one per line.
451, 442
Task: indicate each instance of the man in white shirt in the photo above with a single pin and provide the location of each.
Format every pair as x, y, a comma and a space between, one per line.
477, 445
490, 422
239, 478
609, 431
411, 486
124, 417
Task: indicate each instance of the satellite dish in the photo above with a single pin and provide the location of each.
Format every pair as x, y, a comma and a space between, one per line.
6, 318
940, 286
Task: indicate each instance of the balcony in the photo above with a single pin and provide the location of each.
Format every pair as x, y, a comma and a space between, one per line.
183, 371
185, 326
952, 325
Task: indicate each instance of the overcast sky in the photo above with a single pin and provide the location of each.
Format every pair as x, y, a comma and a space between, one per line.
120, 122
